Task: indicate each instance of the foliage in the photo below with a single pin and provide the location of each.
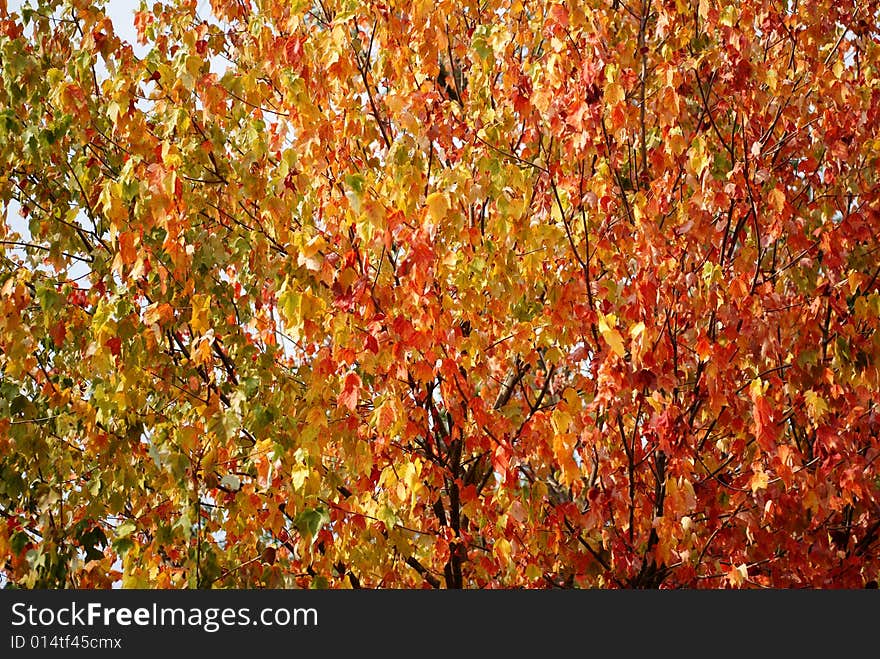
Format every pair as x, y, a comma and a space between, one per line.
440, 294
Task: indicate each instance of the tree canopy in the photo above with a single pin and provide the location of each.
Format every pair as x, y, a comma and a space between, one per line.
450, 294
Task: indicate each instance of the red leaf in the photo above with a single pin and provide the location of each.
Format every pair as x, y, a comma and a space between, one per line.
58, 332
115, 345
371, 343
293, 50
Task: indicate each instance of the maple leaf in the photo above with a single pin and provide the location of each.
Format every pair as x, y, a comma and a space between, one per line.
765, 431
626, 277
438, 205
127, 251
199, 320
58, 332
115, 345
385, 417
350, 394
611, 335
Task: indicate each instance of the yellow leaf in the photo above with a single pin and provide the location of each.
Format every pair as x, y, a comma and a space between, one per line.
758, 387
728, 16
614, 94
676, 142
637, 329
554, 355
560, 421
438, 205
816, 405
777, 199
310, 305
199, 320
209, 459
501, 549
572, 397
187, 437
298, 476
290, 304
612, 337
759, 481
412, 476
338, 36
699, 158
316, 416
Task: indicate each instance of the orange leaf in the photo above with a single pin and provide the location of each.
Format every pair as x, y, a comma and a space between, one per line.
764, 426
127, 251
58, 332
350, 394
386, 417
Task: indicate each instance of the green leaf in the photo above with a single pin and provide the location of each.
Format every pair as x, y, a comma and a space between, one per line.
310, 521
125, 529
19, 404
18, 542
94, 554
318, 583
122, 545
480, 42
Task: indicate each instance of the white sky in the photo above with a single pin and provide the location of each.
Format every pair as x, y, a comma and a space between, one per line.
121, 12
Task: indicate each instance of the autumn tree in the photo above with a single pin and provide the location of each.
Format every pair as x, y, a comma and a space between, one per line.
448, 294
